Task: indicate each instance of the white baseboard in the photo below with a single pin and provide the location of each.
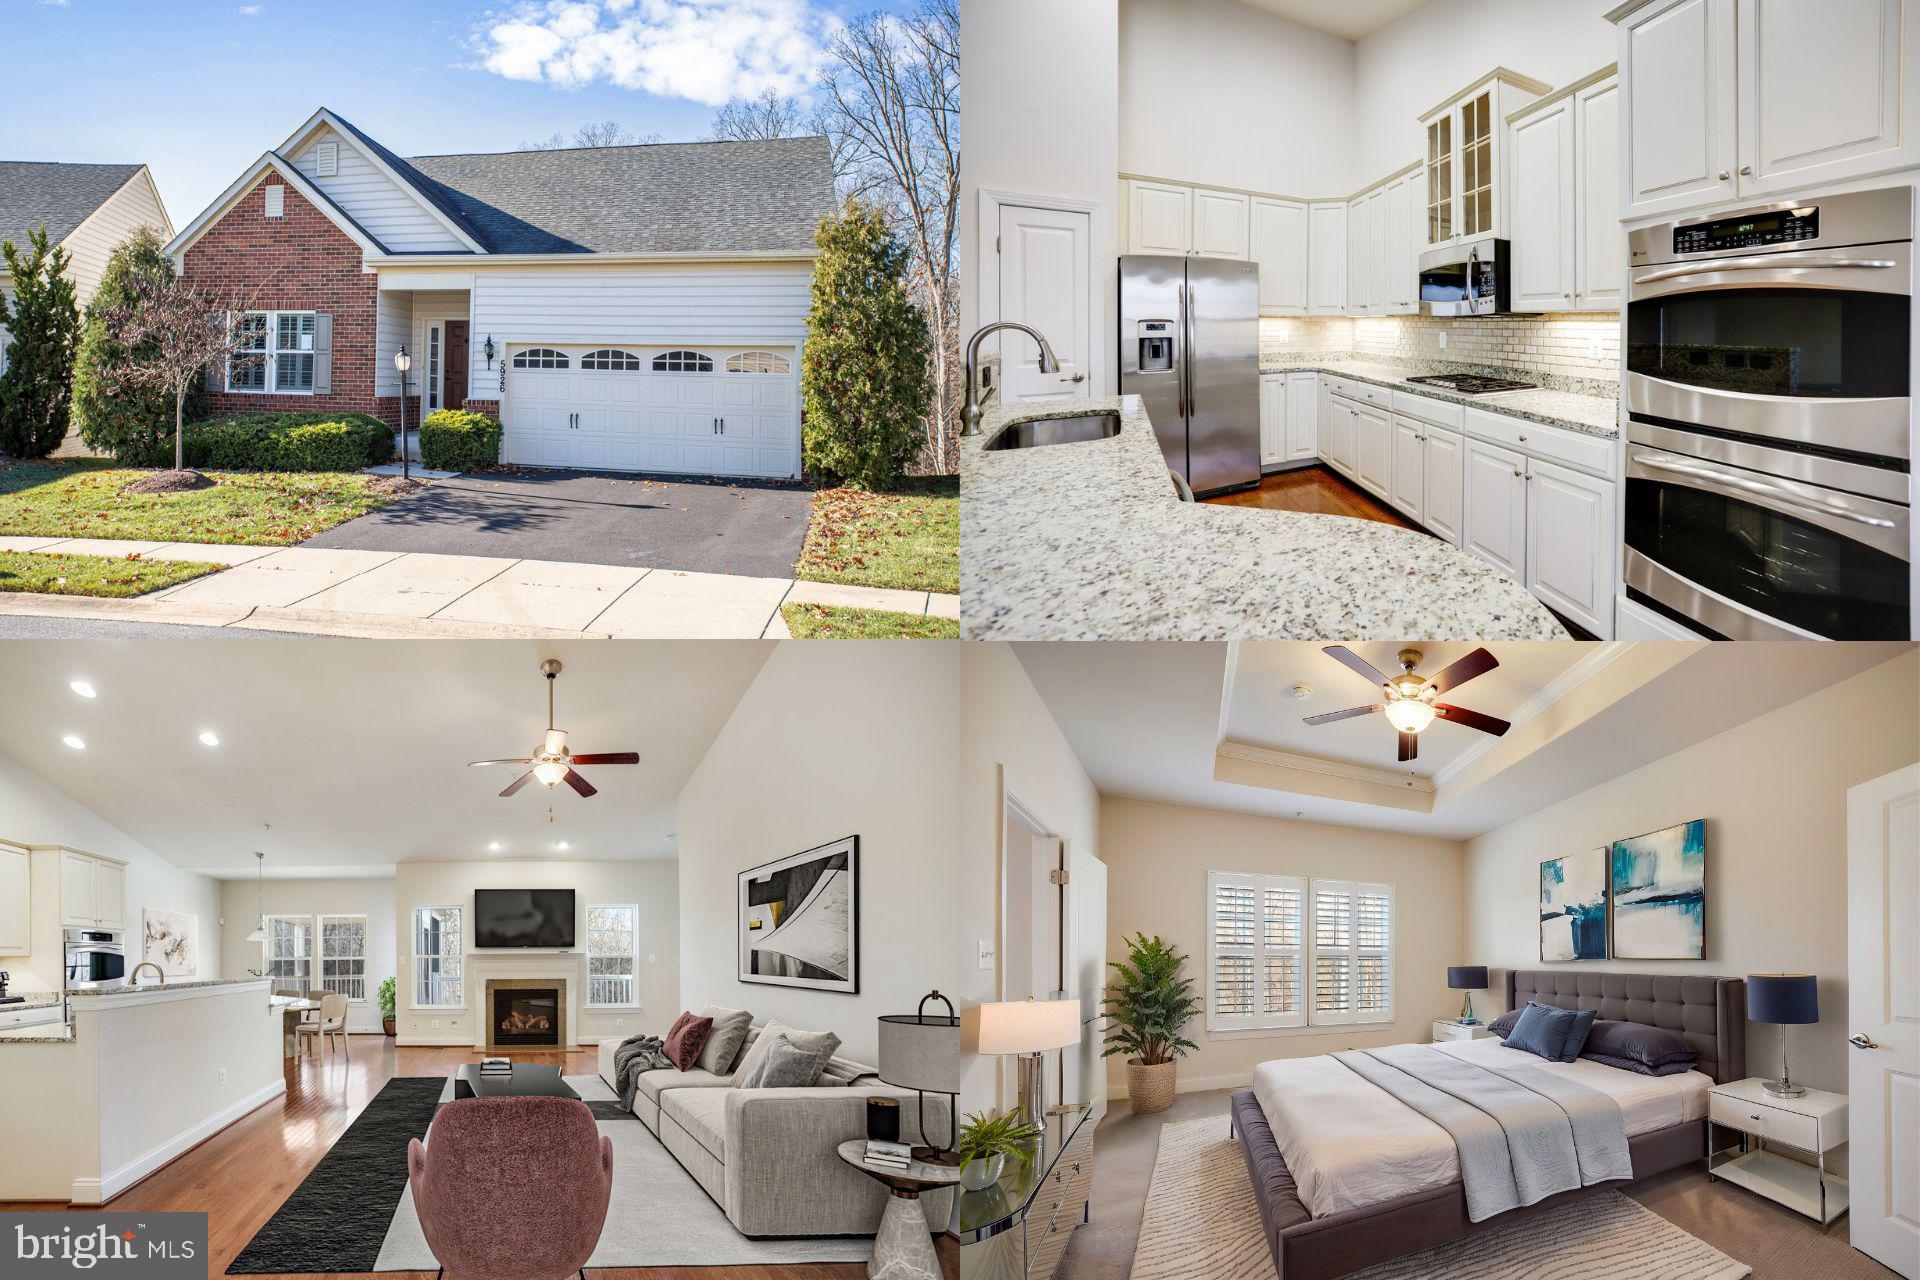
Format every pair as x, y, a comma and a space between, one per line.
100, 1190
1187, 1084
432, 1041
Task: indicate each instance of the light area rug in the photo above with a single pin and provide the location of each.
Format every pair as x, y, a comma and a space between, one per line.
1202, 1220
658, 1216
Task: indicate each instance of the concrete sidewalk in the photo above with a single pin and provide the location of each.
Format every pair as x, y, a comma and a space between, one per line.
387, 594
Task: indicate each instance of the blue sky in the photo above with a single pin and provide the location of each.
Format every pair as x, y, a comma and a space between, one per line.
199, 89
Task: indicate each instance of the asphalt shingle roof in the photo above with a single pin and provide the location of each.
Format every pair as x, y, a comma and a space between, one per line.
60, 195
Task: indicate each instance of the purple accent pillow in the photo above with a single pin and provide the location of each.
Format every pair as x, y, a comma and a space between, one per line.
1628, 1064
1502, 1026
1648, 1046
685, 1040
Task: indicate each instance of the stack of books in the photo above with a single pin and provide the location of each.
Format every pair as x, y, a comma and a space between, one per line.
496, 1066
889, 1155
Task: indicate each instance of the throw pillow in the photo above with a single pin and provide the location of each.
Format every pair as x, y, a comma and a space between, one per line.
722, 1050
1577, 1034
1502, 1026
686, 1039
1649, 1046
1541, 1030
783, 1066
822, 1044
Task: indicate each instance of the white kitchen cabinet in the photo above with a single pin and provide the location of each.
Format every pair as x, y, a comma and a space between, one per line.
1403, 246
110, 893
1303, 405
92, 891
1338, 430
1373, 450
1494, 522
1327, 258
1676, 81
1409, 488
1220, 223
1445, 455
16, 883
1466, 157
1278, 231
1379, 254
1570, 543
1359, 256
1543, 208
1273, 419
1159, 217
1598, 242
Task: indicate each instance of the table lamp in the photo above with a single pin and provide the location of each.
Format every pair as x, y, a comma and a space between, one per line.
1468, 978
1027, 1029
922, 1053
1782, 998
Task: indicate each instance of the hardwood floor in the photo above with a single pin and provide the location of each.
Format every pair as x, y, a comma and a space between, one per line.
242, 1174
1317, 490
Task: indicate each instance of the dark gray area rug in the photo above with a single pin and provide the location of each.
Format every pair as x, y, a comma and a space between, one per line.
337, 1218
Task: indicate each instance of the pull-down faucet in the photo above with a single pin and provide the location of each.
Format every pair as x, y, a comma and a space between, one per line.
970, 409
133, 979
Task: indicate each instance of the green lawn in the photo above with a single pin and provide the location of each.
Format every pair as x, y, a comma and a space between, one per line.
907, 538
83, 498
830, 622
62, 575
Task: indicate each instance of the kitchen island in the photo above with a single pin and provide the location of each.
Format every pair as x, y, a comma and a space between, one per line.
1091, 541
141, 1075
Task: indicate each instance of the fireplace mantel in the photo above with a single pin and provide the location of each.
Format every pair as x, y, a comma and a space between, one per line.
565, 968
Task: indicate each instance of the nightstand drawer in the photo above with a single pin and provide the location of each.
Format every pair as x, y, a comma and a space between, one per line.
1443, 1031
1768, 1122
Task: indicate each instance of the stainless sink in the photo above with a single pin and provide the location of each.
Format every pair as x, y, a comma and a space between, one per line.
1086, 426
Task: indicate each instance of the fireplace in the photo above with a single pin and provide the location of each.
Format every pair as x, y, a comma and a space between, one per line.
526, 1014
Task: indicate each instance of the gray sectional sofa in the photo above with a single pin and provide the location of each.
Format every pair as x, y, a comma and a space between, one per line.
768, 1157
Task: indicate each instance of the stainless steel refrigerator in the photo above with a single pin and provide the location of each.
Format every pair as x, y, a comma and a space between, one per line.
1190, 349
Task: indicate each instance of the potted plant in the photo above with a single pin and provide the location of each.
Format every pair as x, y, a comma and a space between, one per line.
1145, 1010
985, 1143
387, 999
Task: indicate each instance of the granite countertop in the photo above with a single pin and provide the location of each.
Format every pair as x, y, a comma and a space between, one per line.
34, 1000
151, 988
39, 1032
1089, 541
1572, 405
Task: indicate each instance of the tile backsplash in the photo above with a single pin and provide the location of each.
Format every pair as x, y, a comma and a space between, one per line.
1572, 345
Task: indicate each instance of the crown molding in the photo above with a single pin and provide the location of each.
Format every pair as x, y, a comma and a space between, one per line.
1327, 768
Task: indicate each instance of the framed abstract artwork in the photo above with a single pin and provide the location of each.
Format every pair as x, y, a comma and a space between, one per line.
799, 920
1658, 882
1573, 906
170, 939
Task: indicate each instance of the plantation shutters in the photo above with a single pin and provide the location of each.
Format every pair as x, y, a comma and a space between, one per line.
1352, 952
323, 355
1254, 951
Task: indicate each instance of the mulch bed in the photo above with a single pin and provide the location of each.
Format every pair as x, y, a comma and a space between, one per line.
170, 481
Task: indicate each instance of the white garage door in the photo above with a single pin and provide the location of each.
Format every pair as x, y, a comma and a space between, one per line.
706, 410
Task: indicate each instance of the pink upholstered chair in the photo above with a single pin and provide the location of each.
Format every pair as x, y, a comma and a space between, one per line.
512, 1188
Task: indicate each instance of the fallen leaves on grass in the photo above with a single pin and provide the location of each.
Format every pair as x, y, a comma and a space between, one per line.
833, 622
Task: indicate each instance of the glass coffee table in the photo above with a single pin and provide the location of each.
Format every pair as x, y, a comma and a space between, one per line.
525, 1080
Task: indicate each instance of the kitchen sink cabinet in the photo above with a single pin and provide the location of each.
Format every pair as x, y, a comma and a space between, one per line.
1303, 404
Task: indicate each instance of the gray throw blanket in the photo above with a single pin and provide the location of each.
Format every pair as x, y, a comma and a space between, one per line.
634, 1055
1523, 1134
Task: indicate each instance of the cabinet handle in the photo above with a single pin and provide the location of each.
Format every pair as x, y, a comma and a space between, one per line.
1745, 169
1523, 439
1519, 473
1724, 175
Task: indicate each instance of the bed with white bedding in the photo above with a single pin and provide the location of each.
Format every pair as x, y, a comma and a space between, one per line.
1348, 1174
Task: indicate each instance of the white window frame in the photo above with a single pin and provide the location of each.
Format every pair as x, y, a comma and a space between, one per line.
434, 332
1353, 951
267, 958
416, 968
270, 357
1259, 952
320, 923
634, 955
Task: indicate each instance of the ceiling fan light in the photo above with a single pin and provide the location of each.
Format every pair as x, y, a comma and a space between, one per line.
1409, 715
554, 743
550, 772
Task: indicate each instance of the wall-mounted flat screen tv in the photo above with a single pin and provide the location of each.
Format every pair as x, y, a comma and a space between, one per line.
523, 917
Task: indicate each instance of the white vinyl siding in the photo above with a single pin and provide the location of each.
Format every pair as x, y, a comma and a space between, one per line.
288, 951
613, 955
393, 321
1285, 951
133, 206
343, 956
390, 213
438, 937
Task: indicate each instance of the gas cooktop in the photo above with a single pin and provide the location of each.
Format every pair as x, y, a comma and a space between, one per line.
1472, 384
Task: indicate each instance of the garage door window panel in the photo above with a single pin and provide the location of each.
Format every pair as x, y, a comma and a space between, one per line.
542, 358
758, 362
682, 362
611, 361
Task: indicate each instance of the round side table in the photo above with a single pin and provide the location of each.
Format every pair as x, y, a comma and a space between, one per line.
903, 1247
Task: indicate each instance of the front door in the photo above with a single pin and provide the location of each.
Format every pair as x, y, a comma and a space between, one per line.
1046, 282
454, 379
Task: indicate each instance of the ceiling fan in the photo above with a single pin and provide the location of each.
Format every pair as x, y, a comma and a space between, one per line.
1410, 704
553, 763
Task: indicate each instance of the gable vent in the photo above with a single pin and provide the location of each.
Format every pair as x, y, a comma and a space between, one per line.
326, 160
276, 201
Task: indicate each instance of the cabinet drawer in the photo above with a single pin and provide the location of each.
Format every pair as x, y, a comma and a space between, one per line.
1769, 1122
1588, 453
1379, 397
28, 1017
1440, 413
1339, 386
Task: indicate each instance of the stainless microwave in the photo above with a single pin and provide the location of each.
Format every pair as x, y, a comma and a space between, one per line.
1471, 278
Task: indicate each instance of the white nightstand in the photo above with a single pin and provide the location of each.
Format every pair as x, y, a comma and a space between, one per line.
1815, 1122
1448, 1029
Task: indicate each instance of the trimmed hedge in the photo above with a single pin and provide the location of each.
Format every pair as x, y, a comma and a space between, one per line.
459, 440
283, 442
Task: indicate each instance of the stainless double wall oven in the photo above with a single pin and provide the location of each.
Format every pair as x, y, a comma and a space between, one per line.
1768, 419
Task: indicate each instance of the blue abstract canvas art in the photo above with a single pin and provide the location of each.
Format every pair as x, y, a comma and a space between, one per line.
1573, 907
1659, 887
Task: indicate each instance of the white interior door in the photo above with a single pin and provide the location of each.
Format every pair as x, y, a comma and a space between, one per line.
1883, 999
1046, 281
1083, 1071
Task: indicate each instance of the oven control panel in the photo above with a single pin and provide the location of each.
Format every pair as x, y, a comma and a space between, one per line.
1776, 226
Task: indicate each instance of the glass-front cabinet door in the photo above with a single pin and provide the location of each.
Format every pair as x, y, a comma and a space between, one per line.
1440, 180
1476, 164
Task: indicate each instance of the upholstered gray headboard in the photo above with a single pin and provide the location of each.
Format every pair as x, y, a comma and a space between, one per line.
1710, 1012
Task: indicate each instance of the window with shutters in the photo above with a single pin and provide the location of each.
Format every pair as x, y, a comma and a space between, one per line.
1254, 951
1285, 951
273, 352
682, 362
541, 358
343, 956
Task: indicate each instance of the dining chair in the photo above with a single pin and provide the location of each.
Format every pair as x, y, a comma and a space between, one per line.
331, 1022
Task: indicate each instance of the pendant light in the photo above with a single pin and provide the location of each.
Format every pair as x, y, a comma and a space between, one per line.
259, 933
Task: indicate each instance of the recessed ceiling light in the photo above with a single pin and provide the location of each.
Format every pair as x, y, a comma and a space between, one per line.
84, 689
73, 740
494, 845
563, 845
209, 738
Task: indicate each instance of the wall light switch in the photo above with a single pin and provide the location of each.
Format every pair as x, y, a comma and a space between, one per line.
618, 1023
986, 953
436, 1024
649, 957
223, 1075
1593, 346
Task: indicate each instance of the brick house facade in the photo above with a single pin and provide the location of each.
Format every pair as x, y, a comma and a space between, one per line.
300, 261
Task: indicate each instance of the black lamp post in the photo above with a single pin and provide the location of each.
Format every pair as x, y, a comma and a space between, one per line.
403, 362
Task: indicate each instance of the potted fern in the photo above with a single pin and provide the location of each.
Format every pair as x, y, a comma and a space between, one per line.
985, 1142
387, 998
1146, 1007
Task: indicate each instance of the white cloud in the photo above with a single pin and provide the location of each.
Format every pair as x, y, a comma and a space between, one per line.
708, 51
250, 10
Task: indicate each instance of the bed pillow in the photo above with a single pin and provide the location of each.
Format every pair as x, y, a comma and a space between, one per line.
1502, 1026
1577, 1033
1648, 1046
1541, 1031
1628, 1064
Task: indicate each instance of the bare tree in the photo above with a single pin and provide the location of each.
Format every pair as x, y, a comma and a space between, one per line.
757, 119
604, 133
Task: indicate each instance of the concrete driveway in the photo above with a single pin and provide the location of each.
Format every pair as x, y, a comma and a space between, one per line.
745, 527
